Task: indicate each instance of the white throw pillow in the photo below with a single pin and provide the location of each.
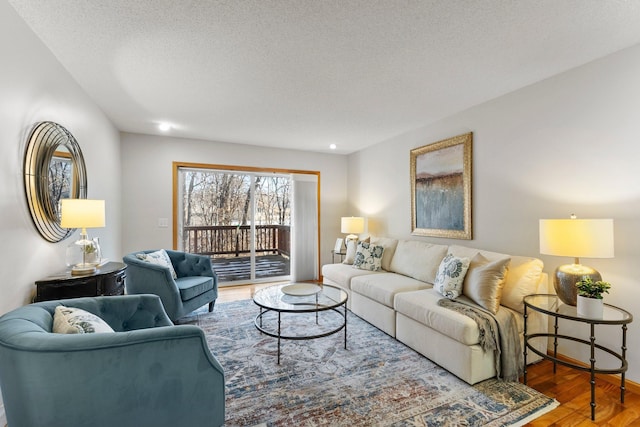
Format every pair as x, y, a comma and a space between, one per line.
450, 276
368, 257
160, 258
71, 320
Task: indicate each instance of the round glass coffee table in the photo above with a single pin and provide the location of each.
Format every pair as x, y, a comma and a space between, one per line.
299, 298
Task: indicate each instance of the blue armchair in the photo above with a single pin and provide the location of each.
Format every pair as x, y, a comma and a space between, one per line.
195, 286
148, 373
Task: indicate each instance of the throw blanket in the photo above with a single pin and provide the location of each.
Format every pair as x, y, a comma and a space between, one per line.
498, 333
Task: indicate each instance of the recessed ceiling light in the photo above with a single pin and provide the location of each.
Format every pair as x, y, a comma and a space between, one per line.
333, 146
164, 127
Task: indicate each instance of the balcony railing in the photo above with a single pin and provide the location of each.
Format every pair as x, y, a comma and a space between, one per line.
230, 240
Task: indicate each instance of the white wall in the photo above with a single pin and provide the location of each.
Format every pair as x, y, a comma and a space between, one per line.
34, 87
148, 183
570, 144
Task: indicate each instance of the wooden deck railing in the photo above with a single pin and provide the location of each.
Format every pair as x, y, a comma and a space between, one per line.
235, 240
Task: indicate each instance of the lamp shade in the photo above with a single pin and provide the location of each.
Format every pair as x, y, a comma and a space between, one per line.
578, 238
352, 224
82, 213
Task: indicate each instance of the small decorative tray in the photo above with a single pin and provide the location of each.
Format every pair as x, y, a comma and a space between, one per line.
301, 289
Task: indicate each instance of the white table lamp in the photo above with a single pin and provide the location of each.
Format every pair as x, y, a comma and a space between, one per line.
83, 214
352, 225
577, 238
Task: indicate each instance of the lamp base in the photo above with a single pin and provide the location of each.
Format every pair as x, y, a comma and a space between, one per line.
83, 269
566, 278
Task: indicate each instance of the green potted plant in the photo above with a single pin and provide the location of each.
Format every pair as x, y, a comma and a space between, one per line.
590, 303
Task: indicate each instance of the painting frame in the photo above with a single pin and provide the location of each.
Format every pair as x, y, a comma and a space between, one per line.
441, 188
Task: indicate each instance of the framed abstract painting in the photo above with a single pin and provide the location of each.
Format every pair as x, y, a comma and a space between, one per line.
441, 188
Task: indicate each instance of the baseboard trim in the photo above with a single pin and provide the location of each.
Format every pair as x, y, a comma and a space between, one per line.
614, 379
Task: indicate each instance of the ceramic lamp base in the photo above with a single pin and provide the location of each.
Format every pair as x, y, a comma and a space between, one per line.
566, 278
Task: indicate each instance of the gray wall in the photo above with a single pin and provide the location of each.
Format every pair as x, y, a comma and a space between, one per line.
34, 87
569, 144
147, 176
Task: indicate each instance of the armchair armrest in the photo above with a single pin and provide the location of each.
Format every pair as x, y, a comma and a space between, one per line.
154, 376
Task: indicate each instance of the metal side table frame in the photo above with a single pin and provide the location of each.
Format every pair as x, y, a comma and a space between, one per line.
328, 299
552, 306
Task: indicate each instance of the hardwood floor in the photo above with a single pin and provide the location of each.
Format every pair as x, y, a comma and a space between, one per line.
568, 386
572, 389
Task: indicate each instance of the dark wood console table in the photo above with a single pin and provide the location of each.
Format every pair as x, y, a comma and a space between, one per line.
107, 280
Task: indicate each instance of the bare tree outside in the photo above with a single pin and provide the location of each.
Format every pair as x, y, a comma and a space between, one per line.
217, 217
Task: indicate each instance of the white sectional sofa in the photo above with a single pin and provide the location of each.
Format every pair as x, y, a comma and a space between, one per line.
400, 300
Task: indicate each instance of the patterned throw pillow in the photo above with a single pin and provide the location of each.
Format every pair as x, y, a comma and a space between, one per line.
450, 276
352, 246
368, 257
160, 258
70, 320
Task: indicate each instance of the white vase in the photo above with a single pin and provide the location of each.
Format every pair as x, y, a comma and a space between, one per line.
592, 308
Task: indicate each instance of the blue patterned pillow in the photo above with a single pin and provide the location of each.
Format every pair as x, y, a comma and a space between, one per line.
368, 257
450, 276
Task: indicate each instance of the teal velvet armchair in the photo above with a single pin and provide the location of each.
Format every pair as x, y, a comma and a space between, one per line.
195, 286
149, 373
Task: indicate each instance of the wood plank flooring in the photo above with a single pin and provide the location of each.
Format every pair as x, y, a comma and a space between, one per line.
568, 386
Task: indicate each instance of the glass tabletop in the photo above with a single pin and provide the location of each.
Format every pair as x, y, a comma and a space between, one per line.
552, 305
273, 298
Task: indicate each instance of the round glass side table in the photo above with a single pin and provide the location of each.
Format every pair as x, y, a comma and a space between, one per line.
552, 306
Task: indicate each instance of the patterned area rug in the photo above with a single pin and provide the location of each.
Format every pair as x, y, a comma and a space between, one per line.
377, 381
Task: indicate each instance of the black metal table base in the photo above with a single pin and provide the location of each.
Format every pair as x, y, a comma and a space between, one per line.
278, 333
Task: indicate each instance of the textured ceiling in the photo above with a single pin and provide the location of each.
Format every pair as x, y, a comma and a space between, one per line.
304, 74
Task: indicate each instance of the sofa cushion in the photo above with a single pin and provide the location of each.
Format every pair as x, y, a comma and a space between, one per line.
450, 277
71, 320
485, 280
422, 306
417, 259
384, 286
523, 279
159, 257
192, 286
389, 246
368, 257
342, 274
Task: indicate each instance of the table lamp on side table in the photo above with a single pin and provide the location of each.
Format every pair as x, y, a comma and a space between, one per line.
82, 213
351, 225
578, 238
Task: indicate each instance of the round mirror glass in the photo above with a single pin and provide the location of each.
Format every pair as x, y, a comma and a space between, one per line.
54, 169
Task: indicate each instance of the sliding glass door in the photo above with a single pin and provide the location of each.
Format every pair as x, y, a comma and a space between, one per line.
241, 219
